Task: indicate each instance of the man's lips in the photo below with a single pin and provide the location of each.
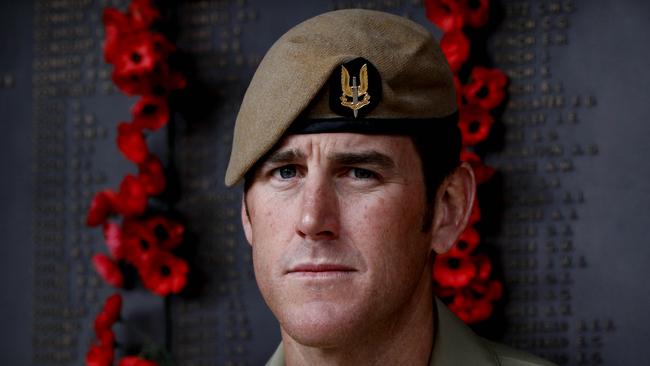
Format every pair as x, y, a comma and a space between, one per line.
320, 268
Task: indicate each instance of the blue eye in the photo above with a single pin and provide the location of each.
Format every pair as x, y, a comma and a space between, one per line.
287, 172
363, 173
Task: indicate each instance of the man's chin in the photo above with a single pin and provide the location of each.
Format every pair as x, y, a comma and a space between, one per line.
320, 325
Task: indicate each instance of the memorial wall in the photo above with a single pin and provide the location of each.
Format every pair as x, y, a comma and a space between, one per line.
565, 218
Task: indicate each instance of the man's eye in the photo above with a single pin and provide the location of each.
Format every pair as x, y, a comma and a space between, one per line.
360, 173
286, 172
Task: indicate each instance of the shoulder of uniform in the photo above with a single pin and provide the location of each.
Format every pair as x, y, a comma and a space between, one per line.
511, 357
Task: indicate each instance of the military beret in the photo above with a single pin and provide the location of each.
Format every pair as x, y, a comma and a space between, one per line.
357, 68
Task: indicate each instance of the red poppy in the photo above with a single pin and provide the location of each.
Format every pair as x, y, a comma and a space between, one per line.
117, 25
486, 87
99, 355
469, 309
102, 323
452, 271
101, 206
151, 112
160, 81
448, 15
108, 270
132, 197
142, 13
482, 172
163, 273
152, 175
477, 13
109, 314
106, 338
474, 303
138, 240
113, 307
140, 63
112, 237
131, 142
474, 123
455, 46
169, 233
484, 267
140, 52
135, 361
467, 242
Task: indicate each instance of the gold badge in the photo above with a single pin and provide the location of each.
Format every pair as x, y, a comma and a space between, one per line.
355, 91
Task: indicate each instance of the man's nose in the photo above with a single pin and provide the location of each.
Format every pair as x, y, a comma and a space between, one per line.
319, 215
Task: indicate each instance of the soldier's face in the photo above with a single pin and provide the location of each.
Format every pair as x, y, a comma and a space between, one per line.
335, 222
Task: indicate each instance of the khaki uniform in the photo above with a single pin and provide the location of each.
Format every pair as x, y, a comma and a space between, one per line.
456, 345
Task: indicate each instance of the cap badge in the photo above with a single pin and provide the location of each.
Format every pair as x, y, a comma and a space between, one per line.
355, 90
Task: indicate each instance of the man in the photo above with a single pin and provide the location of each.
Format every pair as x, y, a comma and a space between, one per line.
348, 144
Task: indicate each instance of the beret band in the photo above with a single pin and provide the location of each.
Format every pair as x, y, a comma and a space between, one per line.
385, 126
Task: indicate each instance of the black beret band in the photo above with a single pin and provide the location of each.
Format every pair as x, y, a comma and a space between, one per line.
378, 126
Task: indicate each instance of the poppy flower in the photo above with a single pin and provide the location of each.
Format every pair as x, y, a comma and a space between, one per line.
112, 237
108, 270
474, 123
448, 15
469, 309
131, 142
102, 323
101, 206
142, 13
482, 173
151, 112
467, 242
477, 13
107, 338
99, 355
160, 81
113, 307
139, 53
475, 302
452, 271
140, 62
483, 266
163, 273
138, 240
135, 361
152, 175
117, 25
132, 197
486, 87
169, 233
455, 46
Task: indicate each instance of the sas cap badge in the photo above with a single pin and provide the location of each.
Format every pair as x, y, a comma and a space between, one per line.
355, 88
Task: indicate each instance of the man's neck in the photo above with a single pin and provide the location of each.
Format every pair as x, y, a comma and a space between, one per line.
406, 339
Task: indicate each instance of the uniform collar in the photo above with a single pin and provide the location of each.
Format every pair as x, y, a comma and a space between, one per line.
454, 344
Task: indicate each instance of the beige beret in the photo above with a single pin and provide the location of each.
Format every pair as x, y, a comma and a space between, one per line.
416, 81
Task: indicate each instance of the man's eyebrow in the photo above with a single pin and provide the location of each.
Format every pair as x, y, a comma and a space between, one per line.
284, 156
364, 158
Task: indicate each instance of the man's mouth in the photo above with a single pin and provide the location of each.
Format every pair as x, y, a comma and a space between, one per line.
325, 270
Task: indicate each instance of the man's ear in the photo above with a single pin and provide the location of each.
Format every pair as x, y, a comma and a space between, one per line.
453, 206
246, 220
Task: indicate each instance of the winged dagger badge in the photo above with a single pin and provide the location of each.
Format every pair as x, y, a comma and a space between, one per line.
355, 91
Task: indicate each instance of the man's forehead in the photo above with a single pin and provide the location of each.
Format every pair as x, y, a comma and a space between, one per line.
343, 140
301, 146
